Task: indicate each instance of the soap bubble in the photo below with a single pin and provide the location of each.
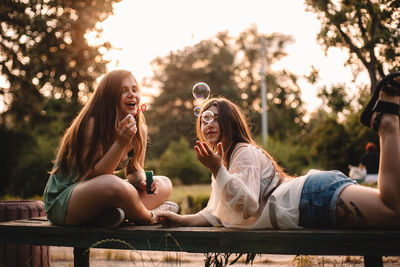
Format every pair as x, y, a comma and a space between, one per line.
196, 111
201, 91
207, 116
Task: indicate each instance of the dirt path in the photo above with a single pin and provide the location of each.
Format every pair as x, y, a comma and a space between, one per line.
63, 257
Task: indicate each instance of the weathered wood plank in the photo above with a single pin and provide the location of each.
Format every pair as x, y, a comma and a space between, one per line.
206, 239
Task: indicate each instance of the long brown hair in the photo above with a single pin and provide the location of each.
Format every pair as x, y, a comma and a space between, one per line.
234, 129
103, 107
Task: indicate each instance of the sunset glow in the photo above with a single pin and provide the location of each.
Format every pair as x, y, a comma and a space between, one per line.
143, 30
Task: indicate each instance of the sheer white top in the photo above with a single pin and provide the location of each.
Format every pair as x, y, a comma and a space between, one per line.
250, 195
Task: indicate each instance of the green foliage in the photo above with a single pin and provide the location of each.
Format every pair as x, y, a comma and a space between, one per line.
335, 98
13, 144
358, 134
367, 29
230, 66
197, 203
45, 54
328, 145
27, 152
25, 160
334, 143
50, 70
291, 154
190, 198
179, 161
30, 173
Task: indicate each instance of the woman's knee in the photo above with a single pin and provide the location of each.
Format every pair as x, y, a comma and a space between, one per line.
115, 189
164, 185
389, 124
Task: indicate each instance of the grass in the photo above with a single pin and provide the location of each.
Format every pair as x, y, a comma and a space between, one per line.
181, 192
180, 195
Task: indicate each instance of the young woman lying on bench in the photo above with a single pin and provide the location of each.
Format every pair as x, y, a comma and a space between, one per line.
250, 190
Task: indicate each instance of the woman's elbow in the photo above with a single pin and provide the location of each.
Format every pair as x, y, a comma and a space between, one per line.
250, 209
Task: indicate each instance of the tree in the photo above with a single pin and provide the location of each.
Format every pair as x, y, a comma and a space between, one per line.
336, 98
179, 161
230, 66
45, 54
367, 29
50, 69
328, 145
334, 143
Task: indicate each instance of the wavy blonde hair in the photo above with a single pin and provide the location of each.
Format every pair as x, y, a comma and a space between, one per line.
103, 107
234, 129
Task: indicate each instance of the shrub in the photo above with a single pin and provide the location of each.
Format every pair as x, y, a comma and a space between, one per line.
179, 161
197, 203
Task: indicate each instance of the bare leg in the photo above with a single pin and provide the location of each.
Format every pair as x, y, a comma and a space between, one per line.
368, 207
389, 169
152, 201
90, 197
362, 207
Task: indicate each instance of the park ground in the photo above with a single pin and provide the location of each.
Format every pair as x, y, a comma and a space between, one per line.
63, 257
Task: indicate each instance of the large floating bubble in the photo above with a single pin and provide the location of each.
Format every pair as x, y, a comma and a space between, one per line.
201, 91
207, 116
196, 111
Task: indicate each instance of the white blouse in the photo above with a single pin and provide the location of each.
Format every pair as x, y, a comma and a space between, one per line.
244, 196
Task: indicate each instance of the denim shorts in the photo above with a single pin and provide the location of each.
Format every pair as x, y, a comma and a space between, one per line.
319, 198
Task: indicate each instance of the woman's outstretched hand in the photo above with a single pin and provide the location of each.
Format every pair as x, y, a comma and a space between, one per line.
126, 130
208, 158
169, 219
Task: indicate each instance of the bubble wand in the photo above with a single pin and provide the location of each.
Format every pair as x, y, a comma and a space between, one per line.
143, 107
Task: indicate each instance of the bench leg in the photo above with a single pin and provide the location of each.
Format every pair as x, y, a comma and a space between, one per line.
80, 257
373, 261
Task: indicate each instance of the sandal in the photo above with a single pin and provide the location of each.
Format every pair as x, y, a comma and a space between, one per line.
391, 87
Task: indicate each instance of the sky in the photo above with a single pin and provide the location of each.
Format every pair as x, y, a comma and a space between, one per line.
143, 30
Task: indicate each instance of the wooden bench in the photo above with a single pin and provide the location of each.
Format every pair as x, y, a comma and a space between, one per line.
372, 244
